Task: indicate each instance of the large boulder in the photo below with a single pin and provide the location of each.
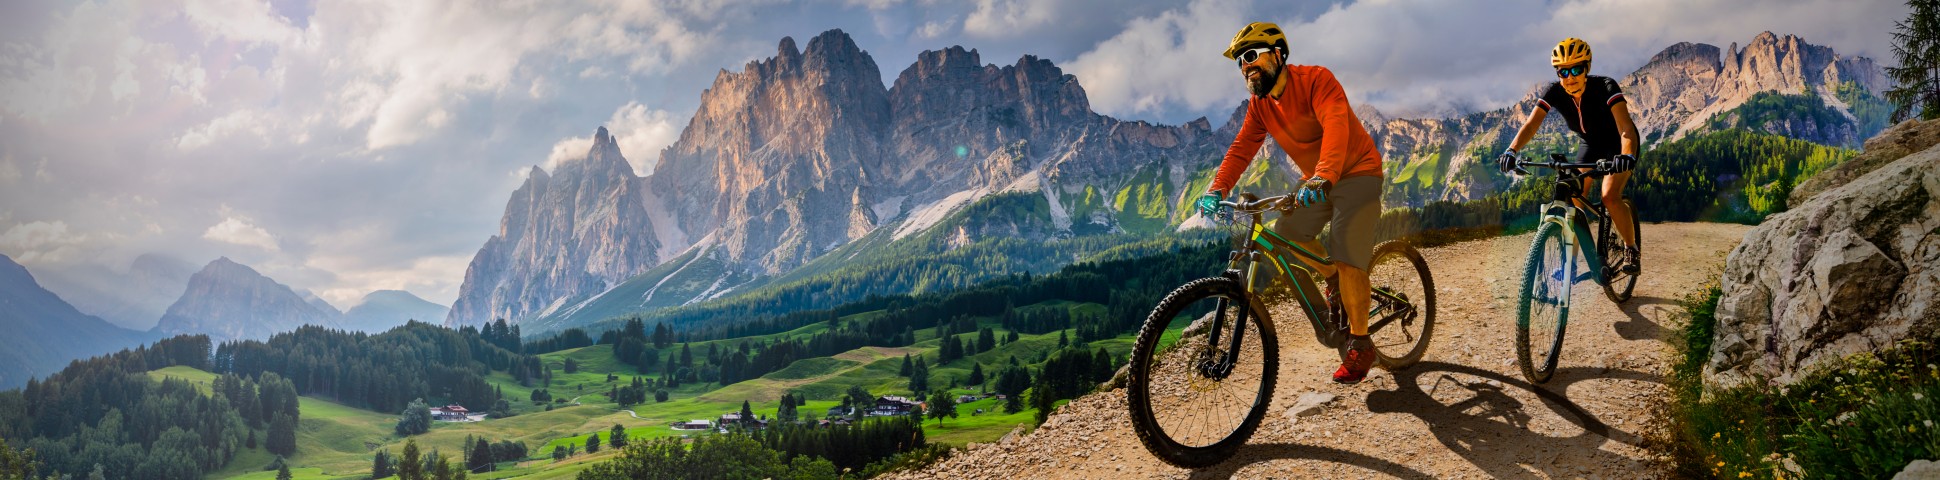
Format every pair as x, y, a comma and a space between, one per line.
1853, 269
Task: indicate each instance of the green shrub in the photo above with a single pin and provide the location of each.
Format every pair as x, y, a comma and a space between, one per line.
1865, 416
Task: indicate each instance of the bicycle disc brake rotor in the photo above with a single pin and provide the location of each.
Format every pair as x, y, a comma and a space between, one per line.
1213, 366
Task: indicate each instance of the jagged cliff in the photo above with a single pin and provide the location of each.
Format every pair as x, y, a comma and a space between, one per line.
804, 152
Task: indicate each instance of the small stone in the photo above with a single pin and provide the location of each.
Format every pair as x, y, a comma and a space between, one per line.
1920, 470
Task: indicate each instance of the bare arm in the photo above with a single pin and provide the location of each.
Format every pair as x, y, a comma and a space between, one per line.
1530, 126
1626, 127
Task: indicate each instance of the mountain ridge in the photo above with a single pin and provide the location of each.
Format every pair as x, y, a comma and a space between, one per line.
44, 332
785, 161
228, 301
760, 193
382, 310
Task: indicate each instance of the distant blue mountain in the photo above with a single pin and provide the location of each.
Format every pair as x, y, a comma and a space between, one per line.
42, 333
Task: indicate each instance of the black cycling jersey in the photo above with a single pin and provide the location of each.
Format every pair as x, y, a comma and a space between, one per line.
1593, 120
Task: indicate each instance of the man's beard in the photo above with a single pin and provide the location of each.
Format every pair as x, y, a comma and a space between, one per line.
1262, 85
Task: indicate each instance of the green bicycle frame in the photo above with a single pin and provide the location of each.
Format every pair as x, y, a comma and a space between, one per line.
1271, 246
1266, 247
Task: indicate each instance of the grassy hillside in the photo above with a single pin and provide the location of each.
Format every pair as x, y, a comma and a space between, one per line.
337, 441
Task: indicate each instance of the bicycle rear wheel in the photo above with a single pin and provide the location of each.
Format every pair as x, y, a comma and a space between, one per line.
1619, 285
1402, 307
1189, 406
1543, 311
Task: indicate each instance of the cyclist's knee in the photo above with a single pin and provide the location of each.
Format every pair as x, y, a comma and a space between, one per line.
1613, 198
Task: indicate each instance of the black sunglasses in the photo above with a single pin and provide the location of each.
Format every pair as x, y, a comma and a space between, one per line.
1253, 55
1572, 70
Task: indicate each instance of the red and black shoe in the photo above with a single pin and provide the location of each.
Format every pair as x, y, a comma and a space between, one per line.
1357, 357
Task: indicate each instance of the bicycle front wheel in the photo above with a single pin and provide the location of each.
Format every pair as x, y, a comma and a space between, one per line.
1401, 315
1544, 309
1195, 398
1619, 285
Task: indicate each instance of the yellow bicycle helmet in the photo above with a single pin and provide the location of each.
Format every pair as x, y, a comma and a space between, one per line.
1570, 51
1256, 33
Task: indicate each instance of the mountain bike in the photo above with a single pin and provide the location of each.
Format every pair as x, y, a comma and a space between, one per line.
1203, 368
1550, 270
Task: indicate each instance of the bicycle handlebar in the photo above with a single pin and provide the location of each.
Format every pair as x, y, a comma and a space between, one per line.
1282, 202
1557, 161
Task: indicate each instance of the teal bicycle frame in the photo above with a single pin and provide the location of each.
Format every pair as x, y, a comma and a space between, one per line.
1572, 221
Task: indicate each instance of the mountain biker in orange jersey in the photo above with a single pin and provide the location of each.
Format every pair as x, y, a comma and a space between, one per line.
1595, 109
1306, 112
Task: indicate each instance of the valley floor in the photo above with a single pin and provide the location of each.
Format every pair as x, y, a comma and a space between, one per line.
1464, 412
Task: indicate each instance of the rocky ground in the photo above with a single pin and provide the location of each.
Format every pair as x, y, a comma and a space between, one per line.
1464, 412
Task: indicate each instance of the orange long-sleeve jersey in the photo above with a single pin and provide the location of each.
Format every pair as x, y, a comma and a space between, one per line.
1311, 120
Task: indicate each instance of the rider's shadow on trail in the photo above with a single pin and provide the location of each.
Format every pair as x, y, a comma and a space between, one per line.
1483, 423
1256, 453
1645, 317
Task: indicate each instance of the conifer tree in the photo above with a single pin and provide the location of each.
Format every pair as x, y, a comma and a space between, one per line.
1916, 45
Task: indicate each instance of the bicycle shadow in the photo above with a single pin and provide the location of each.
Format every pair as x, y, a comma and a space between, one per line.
1260, 453
1491, 428
1637, 325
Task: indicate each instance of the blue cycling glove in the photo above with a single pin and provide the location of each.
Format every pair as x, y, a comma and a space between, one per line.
1313, 192
1208, 204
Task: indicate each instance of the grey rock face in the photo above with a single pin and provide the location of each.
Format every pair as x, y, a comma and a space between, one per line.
572, 233
230, 301
801, 153
1851, 270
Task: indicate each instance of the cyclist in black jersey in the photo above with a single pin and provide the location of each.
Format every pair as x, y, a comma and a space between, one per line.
1595, 109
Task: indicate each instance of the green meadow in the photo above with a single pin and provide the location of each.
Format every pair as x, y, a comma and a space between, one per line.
338, 441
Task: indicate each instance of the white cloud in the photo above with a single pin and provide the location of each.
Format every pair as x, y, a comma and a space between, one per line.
567, 150
406, 65
44, 242
239, 121
1168, 61
41, 80
427, 277
997, 18
239, 231
9, 173
641, 133
242, 21
936, 29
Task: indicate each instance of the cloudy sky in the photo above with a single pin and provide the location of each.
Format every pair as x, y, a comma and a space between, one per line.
347, 146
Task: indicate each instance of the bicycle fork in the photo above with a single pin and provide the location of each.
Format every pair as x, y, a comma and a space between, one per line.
1219, 367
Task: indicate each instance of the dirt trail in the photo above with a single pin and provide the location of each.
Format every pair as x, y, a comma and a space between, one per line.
1464, 412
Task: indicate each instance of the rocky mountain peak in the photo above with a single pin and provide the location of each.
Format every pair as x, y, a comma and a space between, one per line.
831, 45
229, 300
571, 219
787, 49
1685, 85
1683, 53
